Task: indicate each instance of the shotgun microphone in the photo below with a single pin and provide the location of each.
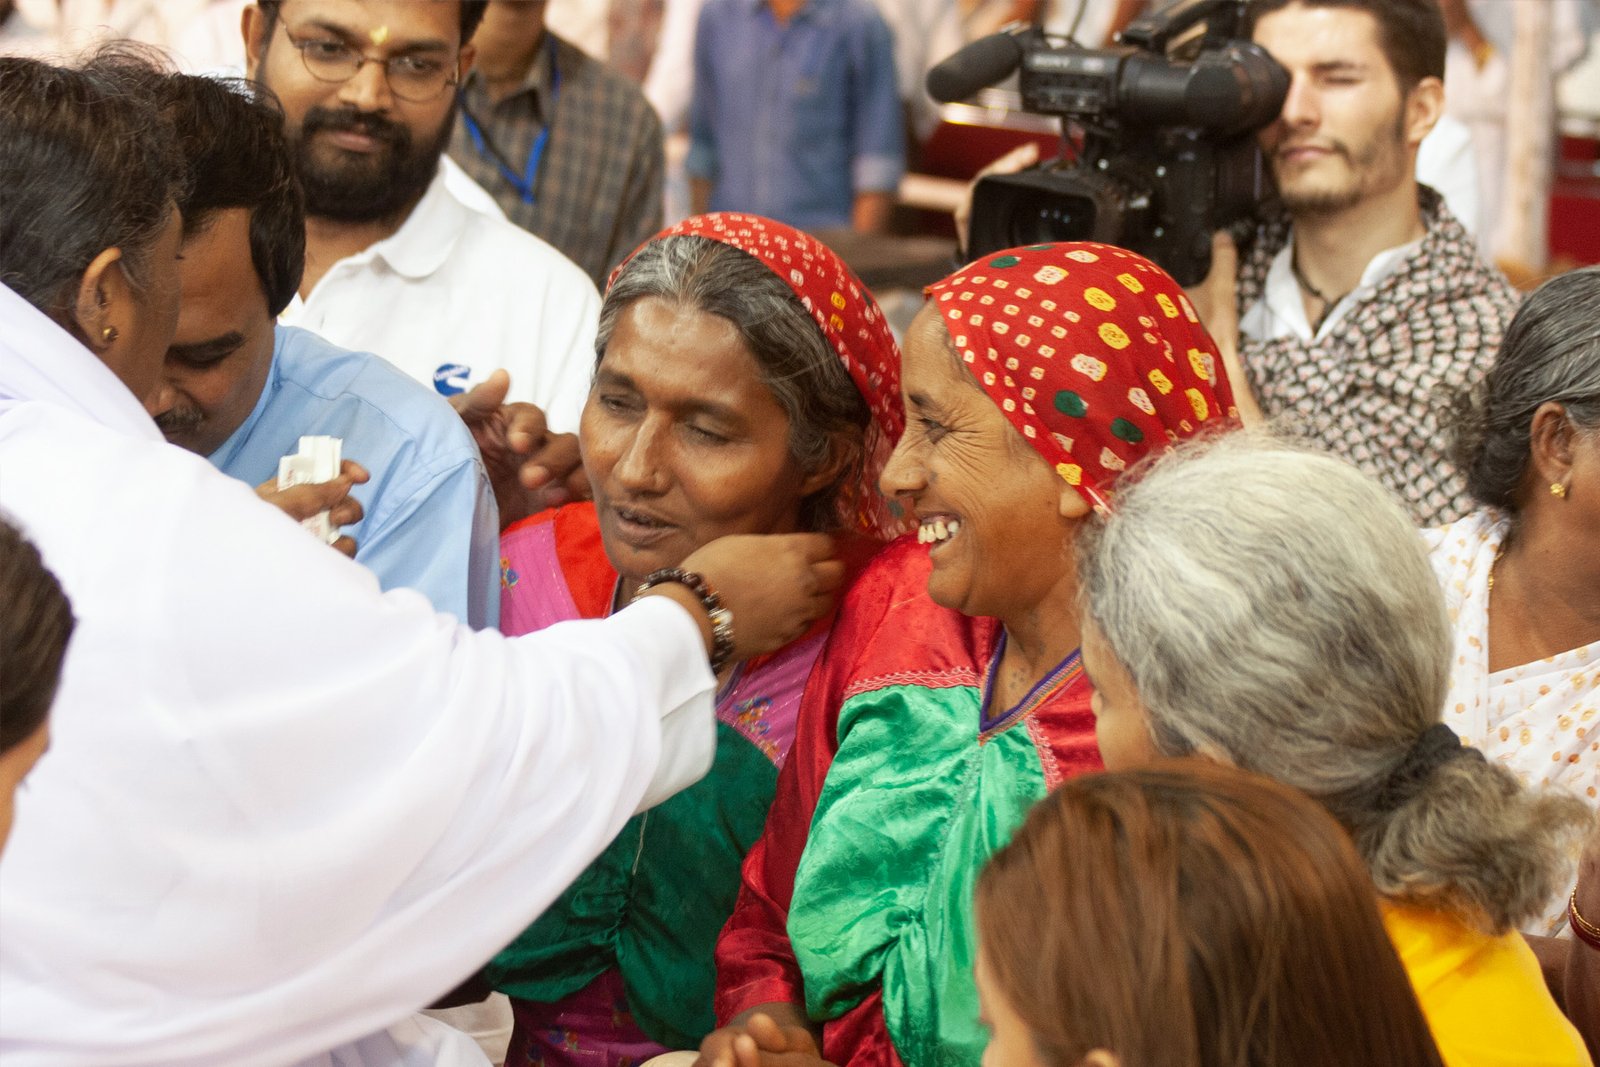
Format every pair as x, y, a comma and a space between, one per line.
975, 66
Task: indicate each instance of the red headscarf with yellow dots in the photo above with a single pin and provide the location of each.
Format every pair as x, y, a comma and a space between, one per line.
1092, 352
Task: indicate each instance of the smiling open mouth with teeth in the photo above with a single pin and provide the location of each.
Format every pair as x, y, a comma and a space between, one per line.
932, 533
634, 517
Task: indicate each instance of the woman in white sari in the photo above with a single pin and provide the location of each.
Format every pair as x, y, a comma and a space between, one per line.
1522, 574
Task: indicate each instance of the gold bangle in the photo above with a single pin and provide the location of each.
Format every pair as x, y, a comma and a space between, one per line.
1587, 931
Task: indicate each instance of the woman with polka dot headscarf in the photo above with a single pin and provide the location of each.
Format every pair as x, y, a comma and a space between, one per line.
950, 695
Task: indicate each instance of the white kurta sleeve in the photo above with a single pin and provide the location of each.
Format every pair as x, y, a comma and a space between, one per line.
282, 810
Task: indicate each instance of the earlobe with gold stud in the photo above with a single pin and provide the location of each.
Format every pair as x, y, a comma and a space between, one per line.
1558, 489
108, 335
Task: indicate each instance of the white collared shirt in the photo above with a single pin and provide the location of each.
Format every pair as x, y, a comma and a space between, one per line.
457, 292
280, 809
1281, 311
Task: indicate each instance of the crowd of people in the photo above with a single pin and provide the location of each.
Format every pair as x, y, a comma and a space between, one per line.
1099, 672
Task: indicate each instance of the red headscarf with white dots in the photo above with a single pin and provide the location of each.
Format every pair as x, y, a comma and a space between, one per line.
849, 320
1092, 352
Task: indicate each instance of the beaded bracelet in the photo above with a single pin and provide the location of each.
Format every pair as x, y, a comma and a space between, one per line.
721, 617
1582, 928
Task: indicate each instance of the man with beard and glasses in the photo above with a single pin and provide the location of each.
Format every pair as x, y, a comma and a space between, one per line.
1359, 301
241, 391
398, 262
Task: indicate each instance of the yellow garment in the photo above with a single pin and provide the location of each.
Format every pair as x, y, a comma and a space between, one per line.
1484, 997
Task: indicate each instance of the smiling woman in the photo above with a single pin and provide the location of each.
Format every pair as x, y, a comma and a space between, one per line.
950, 695
746, 384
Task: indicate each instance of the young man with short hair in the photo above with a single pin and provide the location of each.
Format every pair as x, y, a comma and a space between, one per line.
1361, 300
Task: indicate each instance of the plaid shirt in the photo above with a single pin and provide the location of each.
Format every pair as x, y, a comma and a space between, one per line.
1377, 388
597, 194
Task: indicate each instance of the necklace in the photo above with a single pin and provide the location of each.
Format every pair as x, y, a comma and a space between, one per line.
1312, 291
1499, 551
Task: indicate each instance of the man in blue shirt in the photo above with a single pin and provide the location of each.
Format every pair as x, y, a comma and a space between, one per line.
241, 390
795, 113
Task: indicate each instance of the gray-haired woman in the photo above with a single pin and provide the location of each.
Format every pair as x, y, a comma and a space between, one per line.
1522, 574
1274, 609
746, 383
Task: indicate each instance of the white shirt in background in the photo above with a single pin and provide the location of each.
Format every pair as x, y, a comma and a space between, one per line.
1448, 161
458, 292
1281, 311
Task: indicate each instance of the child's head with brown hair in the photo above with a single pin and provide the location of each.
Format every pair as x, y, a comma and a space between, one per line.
1189, 914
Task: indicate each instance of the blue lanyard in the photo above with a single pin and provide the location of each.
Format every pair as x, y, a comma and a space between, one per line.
523, 184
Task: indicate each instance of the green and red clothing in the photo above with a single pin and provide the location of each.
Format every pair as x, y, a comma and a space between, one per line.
644, 916
899, 786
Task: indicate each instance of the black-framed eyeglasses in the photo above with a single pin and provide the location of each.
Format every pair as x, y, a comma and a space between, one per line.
417, 79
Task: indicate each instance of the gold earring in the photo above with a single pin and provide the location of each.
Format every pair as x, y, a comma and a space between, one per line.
1557, 489
108, 335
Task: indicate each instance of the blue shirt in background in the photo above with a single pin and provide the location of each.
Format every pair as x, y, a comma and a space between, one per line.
430, 520
791, 121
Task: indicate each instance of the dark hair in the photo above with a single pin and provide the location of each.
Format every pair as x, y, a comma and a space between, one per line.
231, 135
35, 623
1410, 32
1550, 354
825, 409
472, 12
1235, 905
85, 167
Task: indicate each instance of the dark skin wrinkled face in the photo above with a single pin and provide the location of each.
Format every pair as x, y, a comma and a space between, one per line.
990, 506
683, 441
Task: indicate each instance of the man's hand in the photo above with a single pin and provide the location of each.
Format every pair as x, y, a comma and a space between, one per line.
775, 585
301, 502
761, 1041
530, 467
1215, 300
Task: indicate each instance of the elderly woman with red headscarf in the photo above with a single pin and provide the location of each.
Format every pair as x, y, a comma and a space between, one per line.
950, 695
746, 384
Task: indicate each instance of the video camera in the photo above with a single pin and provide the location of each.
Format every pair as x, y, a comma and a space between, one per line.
1168, 126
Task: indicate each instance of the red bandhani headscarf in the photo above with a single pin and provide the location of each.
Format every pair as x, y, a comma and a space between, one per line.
1092, 352
851, 322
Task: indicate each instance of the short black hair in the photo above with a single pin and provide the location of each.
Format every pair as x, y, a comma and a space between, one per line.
472, 12
85, 167
231, 136
1410, 32
35, 623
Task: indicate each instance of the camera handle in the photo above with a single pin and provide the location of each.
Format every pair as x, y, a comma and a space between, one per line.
1154, 32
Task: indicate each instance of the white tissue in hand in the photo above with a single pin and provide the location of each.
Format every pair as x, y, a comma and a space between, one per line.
317, 461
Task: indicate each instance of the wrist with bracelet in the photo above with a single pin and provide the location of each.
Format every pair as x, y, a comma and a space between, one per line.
1583, 929
720, 617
